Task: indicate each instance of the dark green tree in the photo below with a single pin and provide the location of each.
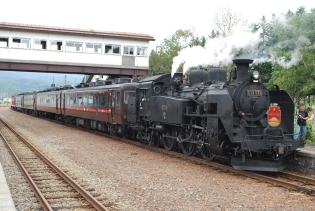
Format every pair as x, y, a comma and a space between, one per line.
161, 58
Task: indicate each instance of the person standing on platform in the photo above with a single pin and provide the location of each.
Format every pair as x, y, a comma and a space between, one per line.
302, 117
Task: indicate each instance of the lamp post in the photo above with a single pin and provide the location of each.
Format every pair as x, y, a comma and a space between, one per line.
8, 99
4, 96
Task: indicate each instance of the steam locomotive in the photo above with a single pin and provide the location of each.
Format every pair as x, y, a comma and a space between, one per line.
204, 113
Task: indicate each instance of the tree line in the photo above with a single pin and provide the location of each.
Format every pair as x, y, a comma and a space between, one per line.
287, 42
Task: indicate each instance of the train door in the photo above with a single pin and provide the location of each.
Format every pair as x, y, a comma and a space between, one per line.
102, 102
60, 102
132, 108
95, 103
63, 110
118, 107
112, 103
144, 102
22, 102
34, 102
57, 101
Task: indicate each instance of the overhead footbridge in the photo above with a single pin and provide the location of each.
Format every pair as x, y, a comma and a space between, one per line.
37, 48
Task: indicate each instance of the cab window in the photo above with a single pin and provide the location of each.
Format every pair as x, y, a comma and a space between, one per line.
144, 95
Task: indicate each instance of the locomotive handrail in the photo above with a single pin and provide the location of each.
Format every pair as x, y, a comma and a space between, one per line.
204, 115
189, 98
271, 135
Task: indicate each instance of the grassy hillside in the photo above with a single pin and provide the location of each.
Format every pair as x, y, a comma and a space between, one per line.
18, 82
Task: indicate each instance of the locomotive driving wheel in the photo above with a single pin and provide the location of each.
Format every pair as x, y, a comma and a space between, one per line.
154, 139
206, 153
169, 143
188, 148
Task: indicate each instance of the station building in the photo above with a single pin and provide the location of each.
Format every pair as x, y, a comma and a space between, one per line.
36, 48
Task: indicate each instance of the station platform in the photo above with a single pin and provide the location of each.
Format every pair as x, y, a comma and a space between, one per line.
308, 151
6, 201
306, 161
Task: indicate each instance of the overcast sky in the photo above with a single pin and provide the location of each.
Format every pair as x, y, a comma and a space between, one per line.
159, 18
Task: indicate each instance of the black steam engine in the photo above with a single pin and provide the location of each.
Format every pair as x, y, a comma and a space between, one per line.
216, 117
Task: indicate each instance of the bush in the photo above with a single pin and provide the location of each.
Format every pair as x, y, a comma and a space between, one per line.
309, 133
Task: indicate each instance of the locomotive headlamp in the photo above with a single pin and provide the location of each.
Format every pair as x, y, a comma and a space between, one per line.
255, 75
241, 114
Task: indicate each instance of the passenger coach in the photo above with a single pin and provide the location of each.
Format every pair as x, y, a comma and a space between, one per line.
102, 106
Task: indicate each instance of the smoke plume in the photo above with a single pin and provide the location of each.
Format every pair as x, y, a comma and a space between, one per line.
220, 51
294, 55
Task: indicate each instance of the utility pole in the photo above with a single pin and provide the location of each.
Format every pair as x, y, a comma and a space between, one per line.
65, 83
53, 83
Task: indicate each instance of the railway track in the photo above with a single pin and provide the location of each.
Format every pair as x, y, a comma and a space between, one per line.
53, 188
286, 180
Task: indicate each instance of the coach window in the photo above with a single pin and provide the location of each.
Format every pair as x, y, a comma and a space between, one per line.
21, 43
40, 44
71, 100
75, 100
90, 101
103, 101
4, 42
95, 101
93, 48
142, 51
85, 100
80, 101
56, 45
128, 94
74, 46
128, 50
112, 49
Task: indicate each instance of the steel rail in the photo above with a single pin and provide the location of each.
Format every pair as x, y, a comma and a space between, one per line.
252, 175
297, 178
40, 197
87, 196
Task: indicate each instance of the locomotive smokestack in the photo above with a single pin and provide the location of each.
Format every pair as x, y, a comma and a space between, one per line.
242, 66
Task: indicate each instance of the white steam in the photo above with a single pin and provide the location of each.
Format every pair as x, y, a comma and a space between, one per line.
218, 51
294, 56
221, 51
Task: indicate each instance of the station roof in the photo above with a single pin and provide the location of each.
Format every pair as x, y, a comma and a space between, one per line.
91, 32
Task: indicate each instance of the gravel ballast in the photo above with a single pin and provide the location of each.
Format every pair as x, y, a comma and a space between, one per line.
22, 194
131, 178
